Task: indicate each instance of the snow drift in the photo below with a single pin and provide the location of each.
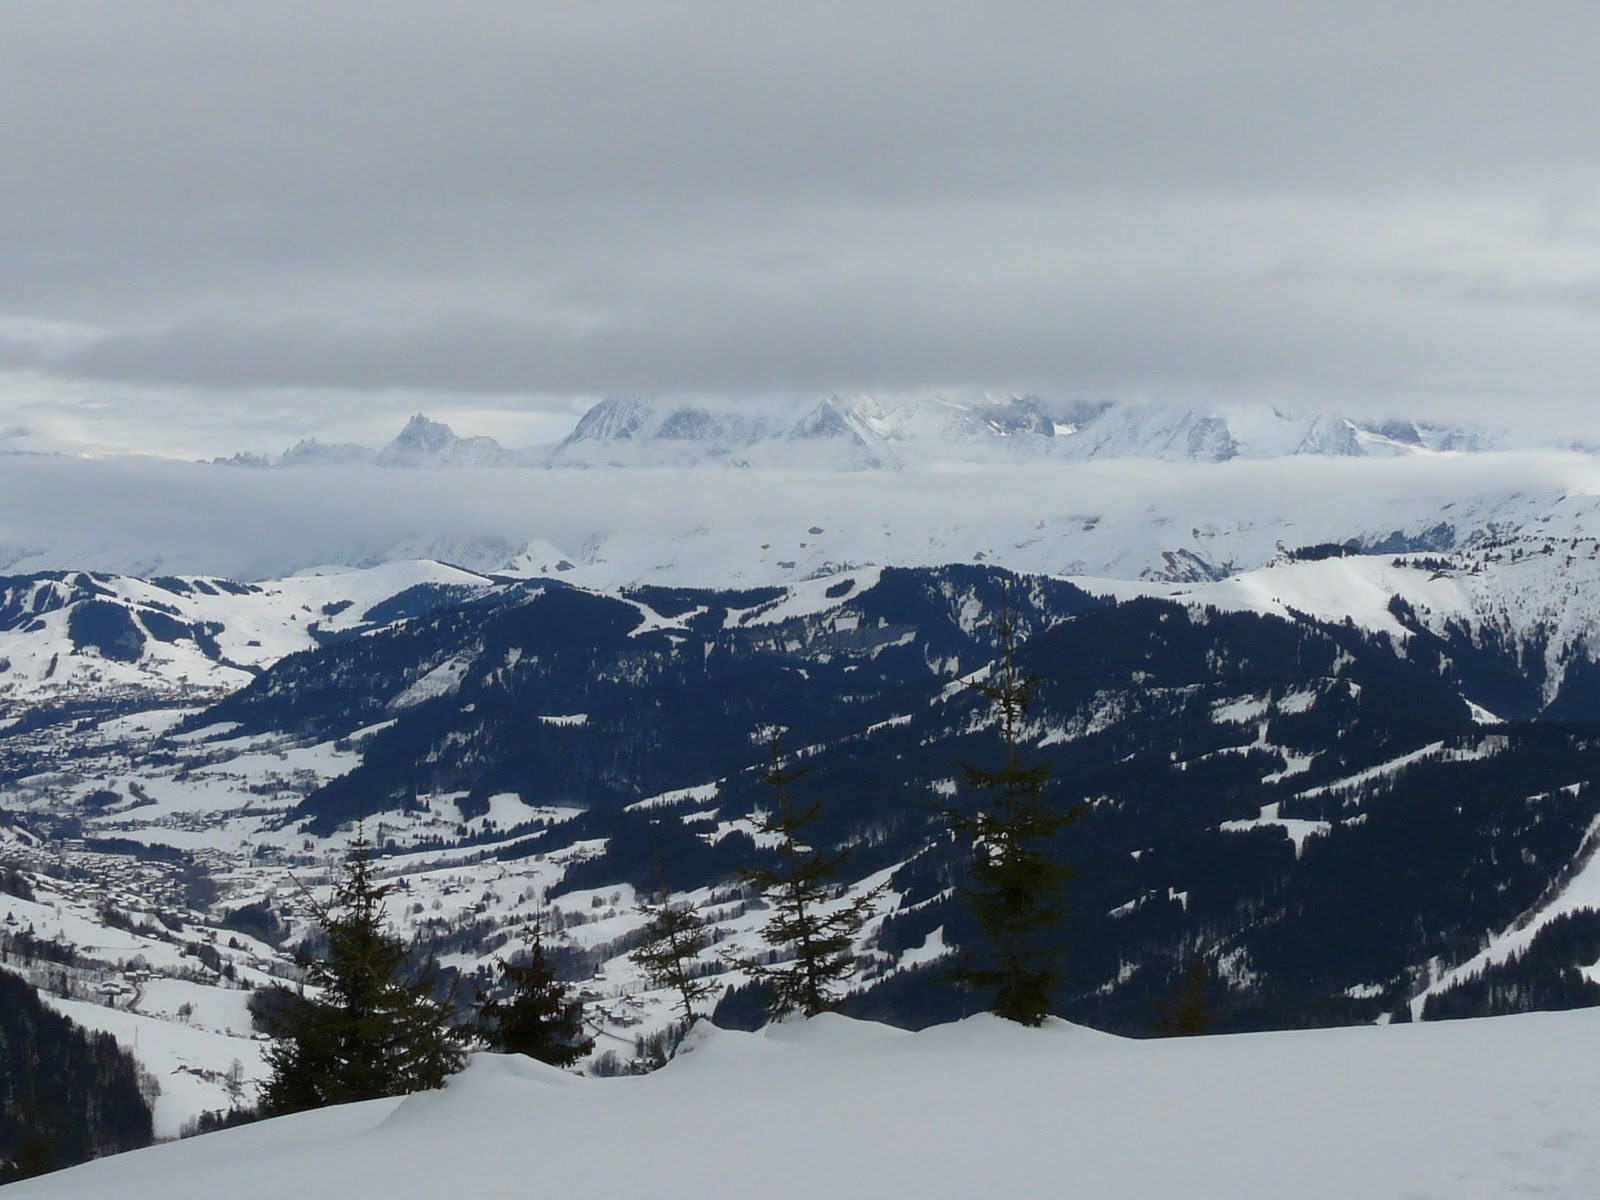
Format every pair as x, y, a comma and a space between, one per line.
841, 1108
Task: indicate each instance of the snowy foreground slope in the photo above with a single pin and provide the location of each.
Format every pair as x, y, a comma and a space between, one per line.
834, 1107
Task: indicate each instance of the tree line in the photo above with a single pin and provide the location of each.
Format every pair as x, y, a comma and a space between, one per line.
66, 1094
365, 1025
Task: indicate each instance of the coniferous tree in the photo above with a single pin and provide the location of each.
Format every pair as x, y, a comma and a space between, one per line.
810, 925
1017, 885
35, 1151
1188, 1013
673, 937
370, 1028
66, 1094
35, 1154
536, 1019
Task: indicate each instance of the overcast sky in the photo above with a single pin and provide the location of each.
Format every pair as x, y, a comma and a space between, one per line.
224, 226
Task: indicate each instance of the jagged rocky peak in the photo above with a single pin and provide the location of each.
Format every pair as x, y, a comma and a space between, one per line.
310, 452
424, 436
615, 418
422, 443
937, 426
426, 443
1333, 436
243, 458
1153, 431
1404, 432
836, 433
622, 430
1015, 415
826, 420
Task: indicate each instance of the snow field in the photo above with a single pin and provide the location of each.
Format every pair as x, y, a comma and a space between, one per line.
832, 1107
254, 627
190, 1063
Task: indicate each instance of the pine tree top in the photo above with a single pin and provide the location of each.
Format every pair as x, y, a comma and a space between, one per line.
536, 1018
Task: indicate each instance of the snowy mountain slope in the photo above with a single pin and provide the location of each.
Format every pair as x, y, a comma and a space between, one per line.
76, 634
190, 1061
1576, 899
309, 452
927, 428
1142, 431
866, 432
1469, 1109
1120, 519
125, 962
1535, 593
632, 431
1136, 430
546, 699
516, 743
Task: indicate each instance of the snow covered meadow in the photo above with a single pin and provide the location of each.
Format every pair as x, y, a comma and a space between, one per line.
833, 1107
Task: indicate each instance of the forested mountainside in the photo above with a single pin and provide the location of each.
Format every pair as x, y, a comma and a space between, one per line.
1313, 806
68, 1095
1356, 788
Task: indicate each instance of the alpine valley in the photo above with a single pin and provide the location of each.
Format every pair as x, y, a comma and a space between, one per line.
1342, 750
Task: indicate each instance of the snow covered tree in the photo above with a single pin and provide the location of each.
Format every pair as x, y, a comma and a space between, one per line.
367, 1026
812, 926
1017, 885
671, 940
536, 1018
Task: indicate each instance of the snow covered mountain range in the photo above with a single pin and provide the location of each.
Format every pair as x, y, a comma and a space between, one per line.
82, 635
1279, 656
869, 433
182, 758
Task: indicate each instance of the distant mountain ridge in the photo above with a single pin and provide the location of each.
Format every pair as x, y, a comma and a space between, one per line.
422, 444
866, 434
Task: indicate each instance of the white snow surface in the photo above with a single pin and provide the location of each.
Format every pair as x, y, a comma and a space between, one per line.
839, 1108
254, 628
189, 1062
1542, 581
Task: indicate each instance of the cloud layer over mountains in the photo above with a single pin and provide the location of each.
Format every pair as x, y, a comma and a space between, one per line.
725, 526
288, 218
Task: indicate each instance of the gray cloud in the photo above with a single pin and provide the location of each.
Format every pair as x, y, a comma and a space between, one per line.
1364, 204
154, 516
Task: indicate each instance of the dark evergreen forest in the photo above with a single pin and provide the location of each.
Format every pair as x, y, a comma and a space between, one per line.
69, 1095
